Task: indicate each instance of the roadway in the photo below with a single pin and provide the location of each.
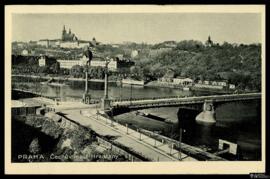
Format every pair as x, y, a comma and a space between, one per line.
140, 143
185, 100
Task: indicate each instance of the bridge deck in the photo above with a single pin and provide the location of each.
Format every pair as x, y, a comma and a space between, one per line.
186, 100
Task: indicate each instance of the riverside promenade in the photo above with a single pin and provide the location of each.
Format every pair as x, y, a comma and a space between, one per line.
137, 142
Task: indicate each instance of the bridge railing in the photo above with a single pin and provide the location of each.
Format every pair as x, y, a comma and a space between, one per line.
174, 100
144, 98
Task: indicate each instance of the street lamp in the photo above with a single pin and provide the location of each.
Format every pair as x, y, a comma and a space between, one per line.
180, 143
111, 117
131, 85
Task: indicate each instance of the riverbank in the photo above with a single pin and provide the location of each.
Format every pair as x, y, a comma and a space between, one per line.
162, 85
54, 138
63, 78
157, 84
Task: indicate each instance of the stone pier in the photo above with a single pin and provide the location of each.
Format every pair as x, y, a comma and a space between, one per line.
208, 113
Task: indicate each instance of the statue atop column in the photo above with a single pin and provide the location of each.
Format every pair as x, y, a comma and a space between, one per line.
88, 53
105, 102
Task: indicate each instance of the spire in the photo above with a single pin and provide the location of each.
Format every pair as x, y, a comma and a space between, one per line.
69, 31
209, 42
63, 33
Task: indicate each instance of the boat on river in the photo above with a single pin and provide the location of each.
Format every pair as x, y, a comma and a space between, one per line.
133, 82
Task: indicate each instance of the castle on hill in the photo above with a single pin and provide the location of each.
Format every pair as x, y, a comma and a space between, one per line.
67, 40
68, 36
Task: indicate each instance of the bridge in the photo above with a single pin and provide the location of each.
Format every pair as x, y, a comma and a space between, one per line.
176, 101
141, 103
205, 104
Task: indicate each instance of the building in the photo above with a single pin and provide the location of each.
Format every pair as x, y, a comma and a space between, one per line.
170, 44
49, 43
68, 64
206, 82
46, 61
214, 83
21, 44
25, 107
68, 36
134, 53
231, 86
120, 57
24, 52
115, 45
68, 40
200, 82
197, 85
43, 42
111, 66
183, 81
74, 44
54, 43
69, 44
168, 77
24, 60
222, 83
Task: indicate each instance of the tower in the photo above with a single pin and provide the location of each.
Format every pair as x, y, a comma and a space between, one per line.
64, 32
209, 42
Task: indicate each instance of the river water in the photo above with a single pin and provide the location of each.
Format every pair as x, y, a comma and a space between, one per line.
237, 122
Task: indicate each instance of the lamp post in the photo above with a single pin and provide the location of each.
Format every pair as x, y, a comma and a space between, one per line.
112, 117
131, 85
180, 143
155, 144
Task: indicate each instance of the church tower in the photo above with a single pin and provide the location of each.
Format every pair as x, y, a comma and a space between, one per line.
64, 32
209, 42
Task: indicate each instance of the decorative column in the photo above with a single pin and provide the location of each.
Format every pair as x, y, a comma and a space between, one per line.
86, 96
105, 102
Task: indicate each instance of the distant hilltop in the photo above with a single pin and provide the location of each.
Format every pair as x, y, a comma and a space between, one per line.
67, 40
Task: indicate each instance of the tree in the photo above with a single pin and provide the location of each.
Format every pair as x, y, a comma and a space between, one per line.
76, 71
55, 68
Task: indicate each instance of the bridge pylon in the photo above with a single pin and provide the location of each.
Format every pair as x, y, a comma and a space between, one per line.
208, 113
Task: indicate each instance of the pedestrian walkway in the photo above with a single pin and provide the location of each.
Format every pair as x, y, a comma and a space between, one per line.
158, 151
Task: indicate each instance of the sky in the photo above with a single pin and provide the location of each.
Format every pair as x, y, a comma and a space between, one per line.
141, 27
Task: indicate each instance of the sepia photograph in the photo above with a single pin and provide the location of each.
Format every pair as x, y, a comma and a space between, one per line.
137, 89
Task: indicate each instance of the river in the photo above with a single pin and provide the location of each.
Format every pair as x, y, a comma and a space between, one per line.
239, 122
